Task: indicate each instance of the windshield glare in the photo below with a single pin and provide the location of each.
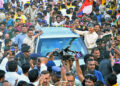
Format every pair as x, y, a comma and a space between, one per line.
49, 44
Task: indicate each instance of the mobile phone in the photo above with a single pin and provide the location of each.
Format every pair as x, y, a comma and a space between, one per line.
78, 55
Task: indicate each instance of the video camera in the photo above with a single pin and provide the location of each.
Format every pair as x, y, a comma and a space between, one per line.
64, 54
104, 39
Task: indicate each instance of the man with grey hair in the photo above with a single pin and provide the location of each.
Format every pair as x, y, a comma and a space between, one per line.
90, 36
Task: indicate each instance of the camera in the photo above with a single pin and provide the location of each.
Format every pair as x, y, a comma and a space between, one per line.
65, 54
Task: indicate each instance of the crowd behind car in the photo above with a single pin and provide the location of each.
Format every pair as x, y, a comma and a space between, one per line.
20, 23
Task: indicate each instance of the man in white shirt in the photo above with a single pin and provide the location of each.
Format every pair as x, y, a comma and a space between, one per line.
2, 14
29, 40
63, 10
11, 76
58, 22
24, 76
37, 62
90, 36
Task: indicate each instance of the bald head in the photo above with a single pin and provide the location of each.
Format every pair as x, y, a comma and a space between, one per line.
7, 36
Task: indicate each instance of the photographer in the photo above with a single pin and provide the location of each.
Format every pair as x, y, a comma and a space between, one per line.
23, 56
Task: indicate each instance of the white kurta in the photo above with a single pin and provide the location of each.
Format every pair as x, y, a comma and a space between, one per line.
89, 38
11, 77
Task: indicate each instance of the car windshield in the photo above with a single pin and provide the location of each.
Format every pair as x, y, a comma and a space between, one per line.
49, 44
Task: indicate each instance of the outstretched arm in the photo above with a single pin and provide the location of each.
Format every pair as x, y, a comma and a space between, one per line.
77, 31
79, 71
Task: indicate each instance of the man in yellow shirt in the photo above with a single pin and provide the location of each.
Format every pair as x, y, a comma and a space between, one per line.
20, 16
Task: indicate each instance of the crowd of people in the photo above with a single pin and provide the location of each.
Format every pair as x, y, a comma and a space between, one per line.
20, 23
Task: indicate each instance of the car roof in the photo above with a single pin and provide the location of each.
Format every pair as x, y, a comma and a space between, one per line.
57, 32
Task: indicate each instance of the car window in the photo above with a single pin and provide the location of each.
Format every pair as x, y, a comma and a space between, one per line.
49, 44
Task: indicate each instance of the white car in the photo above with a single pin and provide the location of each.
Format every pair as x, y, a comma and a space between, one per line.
61, 38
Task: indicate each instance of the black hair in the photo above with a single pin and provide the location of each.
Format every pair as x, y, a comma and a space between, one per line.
89, 60
33, 75
32, 26
71, 8
25, 67
45, 72
69, 74
94, 49
58, 16
112, 79
74, 17
24, 44
63, 6
7, 41
12, 66
5, 81
68, 11
67, 17
2, 74
15, 45
68, 3
18, 10
44, 12
99, 83
29, 30
87, 56
48, 7
116, 68
58, 12
107, 54
16, 31
22, 83
30, 84
91, 77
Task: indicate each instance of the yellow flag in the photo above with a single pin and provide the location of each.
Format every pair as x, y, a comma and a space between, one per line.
103, 2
